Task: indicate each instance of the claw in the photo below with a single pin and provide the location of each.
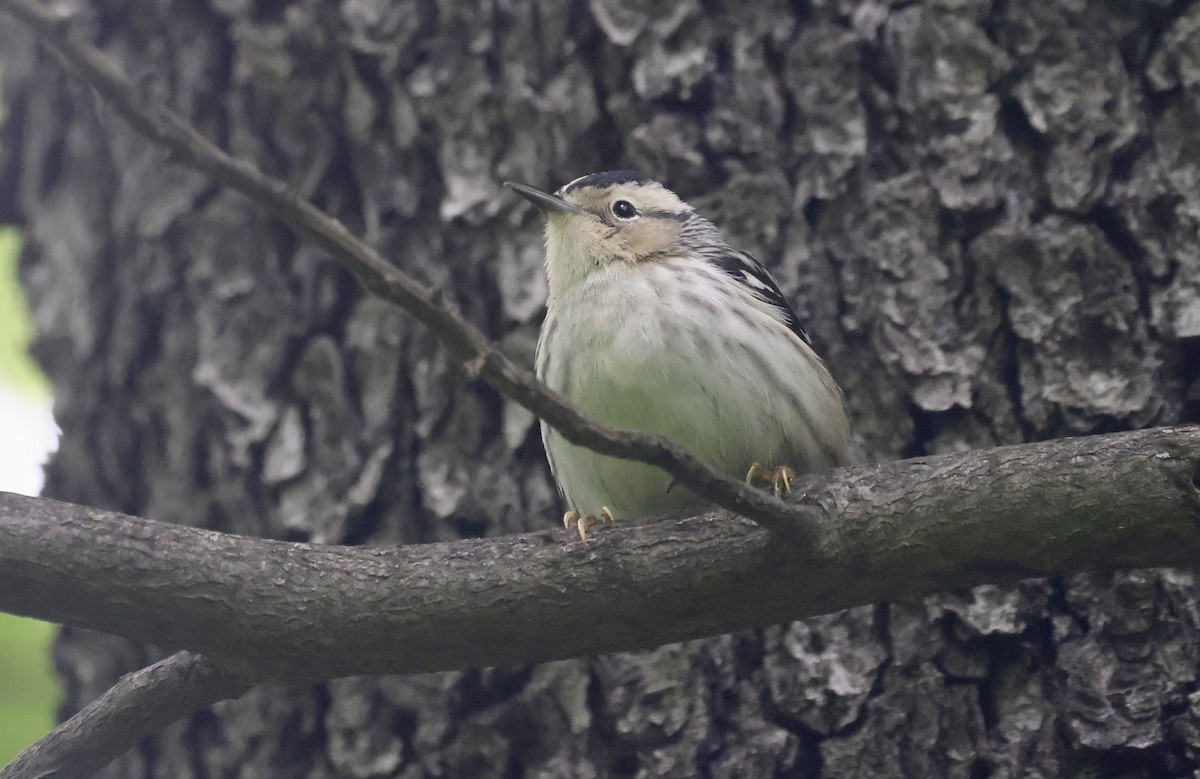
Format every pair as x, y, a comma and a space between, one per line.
783, 475
584, 521
779, 477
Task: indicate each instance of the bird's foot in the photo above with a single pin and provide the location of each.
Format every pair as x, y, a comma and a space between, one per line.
584, 521
780, 477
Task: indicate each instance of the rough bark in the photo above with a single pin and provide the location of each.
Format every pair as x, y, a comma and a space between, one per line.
985, 213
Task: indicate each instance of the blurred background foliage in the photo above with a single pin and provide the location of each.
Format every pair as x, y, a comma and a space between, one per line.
17, 369
28, 689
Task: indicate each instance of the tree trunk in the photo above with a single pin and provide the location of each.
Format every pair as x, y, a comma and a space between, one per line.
986, 215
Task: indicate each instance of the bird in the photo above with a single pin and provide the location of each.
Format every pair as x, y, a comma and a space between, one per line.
655, 322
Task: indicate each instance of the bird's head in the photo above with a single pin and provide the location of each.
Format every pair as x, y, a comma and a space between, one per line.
603, 218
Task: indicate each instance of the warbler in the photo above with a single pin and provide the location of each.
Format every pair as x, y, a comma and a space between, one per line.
654, 322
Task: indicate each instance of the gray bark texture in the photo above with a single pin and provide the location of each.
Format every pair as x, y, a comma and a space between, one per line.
986, 215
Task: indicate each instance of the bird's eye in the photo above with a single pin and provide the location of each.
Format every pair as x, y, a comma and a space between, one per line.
624, 209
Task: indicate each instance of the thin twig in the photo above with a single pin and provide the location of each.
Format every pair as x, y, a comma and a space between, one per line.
480, 357
138, 705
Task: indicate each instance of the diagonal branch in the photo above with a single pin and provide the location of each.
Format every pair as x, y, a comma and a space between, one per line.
278, 611
480, 357
138, 705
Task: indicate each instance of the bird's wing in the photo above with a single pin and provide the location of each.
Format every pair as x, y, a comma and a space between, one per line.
749, 272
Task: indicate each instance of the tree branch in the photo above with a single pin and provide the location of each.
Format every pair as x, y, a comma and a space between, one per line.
278, 611
480, 357
136, 706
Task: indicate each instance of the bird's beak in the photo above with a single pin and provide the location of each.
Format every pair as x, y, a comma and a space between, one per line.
549, 204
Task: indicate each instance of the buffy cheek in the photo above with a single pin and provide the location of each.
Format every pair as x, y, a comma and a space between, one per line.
650, 238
